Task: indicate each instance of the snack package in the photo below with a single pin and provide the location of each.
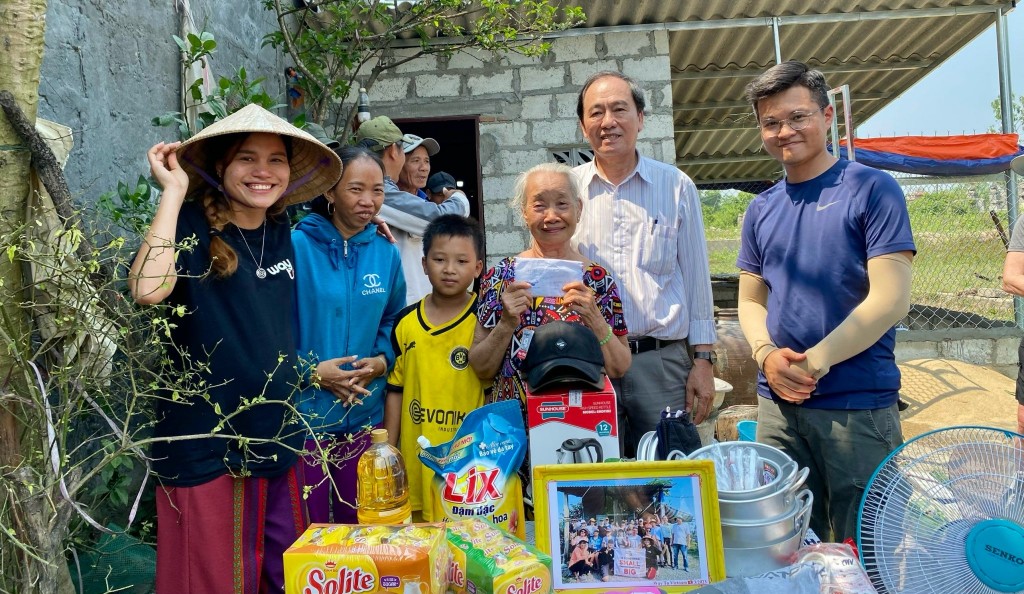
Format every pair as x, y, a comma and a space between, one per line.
838, 567
485, 560
342, 559
476, 472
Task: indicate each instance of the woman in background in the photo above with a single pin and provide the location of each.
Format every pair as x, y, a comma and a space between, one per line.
350, 289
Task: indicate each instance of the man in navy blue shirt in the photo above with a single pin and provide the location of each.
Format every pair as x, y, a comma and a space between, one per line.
825, 262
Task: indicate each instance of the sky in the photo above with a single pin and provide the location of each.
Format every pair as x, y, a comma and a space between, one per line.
956, 97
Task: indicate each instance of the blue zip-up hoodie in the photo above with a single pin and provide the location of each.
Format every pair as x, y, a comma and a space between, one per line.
348, 295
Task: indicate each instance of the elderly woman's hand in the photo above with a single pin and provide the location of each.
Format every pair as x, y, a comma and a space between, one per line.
515, 300
583, 300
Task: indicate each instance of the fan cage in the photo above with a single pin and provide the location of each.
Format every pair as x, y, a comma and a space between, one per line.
923, 500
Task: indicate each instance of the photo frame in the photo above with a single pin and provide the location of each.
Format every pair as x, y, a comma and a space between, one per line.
618, 502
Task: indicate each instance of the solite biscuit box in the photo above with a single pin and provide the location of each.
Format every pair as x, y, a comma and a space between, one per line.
344, 559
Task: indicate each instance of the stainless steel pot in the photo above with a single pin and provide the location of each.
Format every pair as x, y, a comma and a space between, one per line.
766, 452
738, 534
751, 561
763, 508
776, 464
783, 476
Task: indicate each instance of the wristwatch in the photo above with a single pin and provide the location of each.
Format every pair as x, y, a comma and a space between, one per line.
709, 356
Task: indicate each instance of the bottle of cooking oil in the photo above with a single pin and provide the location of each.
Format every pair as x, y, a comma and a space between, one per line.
382, 492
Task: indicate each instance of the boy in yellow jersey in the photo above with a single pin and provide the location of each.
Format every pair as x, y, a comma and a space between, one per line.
432, 387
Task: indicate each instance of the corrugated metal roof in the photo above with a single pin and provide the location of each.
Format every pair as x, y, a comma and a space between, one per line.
880, 48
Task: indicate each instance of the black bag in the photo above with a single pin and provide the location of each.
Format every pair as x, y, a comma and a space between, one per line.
676, 433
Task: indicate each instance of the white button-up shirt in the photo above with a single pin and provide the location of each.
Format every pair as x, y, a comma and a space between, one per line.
648, 232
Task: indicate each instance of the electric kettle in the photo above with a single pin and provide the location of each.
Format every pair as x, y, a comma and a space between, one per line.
575, 451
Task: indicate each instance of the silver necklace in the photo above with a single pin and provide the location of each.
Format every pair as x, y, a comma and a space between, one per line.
261, 273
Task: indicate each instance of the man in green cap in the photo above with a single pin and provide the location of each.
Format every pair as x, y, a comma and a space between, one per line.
407, 214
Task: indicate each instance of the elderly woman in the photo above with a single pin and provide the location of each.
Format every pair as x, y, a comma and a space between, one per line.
548, 198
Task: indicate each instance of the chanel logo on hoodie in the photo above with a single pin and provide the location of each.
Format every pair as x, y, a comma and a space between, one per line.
372, 283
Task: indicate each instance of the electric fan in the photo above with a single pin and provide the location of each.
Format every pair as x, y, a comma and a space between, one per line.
944, 513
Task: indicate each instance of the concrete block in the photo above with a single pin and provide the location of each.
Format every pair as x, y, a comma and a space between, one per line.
556, 133
626, 44
432, 85
661, 43
661, 97
574, 49
565, 105
384, 90
507, 243
579, 72
498, 188
488, 166
1006, 351
970, 350
536, 107
658, 126
421, 64
516, 162
907, 350
534, 79
649, 148
648, 69
497, 214
515, 59
668, 151
490, 84
507, 133
470, 59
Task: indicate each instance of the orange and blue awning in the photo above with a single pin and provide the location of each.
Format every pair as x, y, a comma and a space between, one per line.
944, 156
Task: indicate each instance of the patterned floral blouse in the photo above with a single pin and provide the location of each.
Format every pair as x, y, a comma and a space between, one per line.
508, 384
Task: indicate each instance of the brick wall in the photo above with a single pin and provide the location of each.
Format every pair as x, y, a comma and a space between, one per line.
527, 106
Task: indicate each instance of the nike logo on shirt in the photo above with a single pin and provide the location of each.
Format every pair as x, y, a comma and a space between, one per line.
824, 206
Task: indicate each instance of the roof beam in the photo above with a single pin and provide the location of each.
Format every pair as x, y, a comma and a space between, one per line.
732, 158
766, 21
744, 105
846, 68
748, 124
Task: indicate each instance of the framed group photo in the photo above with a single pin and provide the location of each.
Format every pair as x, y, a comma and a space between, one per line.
630, 526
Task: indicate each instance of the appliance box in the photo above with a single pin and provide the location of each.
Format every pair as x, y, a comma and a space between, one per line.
573, 418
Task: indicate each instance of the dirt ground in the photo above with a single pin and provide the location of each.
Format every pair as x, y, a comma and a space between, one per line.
945, 392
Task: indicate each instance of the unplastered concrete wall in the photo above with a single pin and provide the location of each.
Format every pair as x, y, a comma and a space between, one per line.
110, 66
527, 107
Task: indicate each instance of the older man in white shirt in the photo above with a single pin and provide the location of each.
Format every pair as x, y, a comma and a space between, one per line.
642, 222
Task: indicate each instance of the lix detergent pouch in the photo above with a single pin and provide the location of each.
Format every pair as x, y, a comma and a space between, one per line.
476, 472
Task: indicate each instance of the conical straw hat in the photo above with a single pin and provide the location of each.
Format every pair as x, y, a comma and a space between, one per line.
314, 167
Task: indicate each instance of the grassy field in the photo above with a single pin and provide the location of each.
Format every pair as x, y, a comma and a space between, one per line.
958, 264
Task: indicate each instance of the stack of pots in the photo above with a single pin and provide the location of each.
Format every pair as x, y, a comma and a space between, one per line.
763, 527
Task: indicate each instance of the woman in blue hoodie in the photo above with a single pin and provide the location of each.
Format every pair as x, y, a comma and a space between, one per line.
349, 290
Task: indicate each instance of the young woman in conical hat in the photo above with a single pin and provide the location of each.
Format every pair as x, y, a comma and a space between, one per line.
229, 500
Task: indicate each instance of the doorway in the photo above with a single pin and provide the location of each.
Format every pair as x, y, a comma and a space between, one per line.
460, 153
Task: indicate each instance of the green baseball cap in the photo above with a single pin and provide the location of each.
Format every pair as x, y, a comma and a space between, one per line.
378, 133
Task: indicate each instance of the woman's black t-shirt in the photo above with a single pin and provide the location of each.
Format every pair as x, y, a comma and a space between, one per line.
234, 346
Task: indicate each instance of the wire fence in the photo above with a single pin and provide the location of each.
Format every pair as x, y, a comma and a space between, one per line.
960, 229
